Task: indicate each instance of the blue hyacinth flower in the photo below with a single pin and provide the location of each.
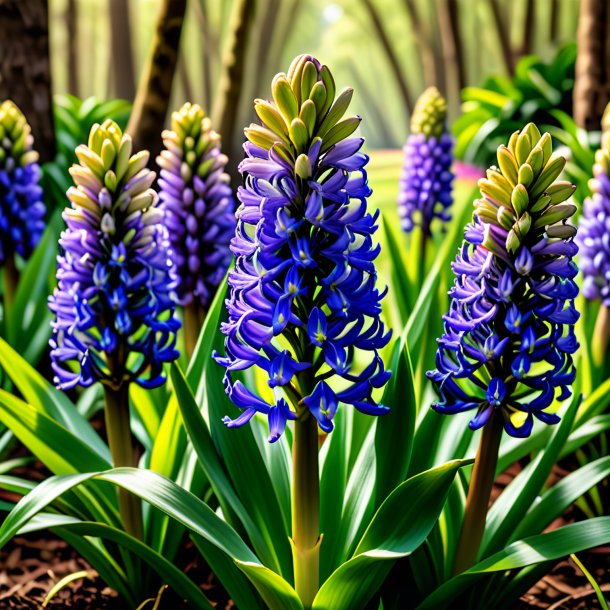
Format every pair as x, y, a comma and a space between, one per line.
303, 300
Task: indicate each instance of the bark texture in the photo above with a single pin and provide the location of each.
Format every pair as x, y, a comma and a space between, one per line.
122, 52
395, 64
152, 99
72, 29
226, 105
25, 70
591, 87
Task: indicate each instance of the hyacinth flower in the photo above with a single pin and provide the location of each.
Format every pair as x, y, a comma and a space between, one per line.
199, 212
302, 298
114, 314
22, 217
425, 188
594, 243
506, 353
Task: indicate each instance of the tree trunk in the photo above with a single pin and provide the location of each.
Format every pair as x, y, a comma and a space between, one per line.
259, 70
25, 70
391, 56
554, 25
287, 15
503, 36
152, 100
210, 52
528, 28
122, 52
426, 52
185, 79
591, 86
448, 21
72, 31
226, 105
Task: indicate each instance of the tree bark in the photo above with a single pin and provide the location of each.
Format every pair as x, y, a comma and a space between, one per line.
503, 38
210, 52
391, 56
25, 70
448, 21
122, 52
591, 86
226, 105
152, 99
72, 31
426, 51
554, 25
528, 28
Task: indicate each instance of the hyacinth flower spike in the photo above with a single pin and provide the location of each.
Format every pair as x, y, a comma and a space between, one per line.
594, 243
199, 212
22, 217
114, 313
303, 299
425, 189
506, 353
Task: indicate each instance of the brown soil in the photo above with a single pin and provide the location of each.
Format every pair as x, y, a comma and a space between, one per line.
31, 565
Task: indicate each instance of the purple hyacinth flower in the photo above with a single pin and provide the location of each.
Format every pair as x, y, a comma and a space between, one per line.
594, 231
22, 210
114, 315
303, 297
509, 333
426, 181
198, 204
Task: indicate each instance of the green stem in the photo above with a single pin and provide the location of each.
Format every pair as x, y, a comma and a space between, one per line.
306, 508
425, 235
118, 430
11, 280
601, 336
479, 492
192, 327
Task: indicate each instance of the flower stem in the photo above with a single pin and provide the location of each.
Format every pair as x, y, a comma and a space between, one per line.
479, 492
192, 327
118, 430
11, 279
601, 336
306, 508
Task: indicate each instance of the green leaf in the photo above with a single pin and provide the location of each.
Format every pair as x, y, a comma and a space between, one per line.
210, 463
237, 585
154, 488
507, 511
202, 356
357, 507
419, 317
333, 480
402, 291
394, 431
559, 497
59, 449
400, 525
167, 571
484, 97
46, 399
551, 546
594, 404
149, 407
28, 327
275, 591
243, 460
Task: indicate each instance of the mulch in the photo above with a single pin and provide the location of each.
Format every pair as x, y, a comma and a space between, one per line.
31, 565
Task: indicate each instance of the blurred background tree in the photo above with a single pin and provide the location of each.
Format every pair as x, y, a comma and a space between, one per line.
389, 49
25, 70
